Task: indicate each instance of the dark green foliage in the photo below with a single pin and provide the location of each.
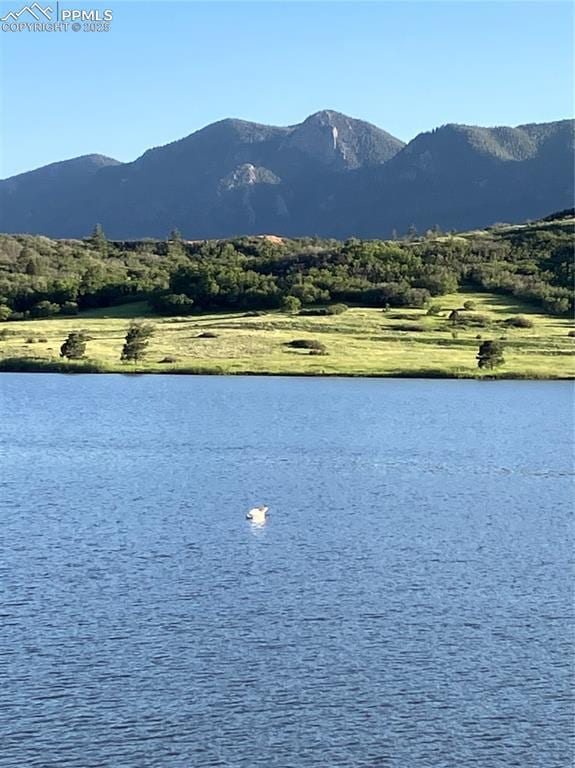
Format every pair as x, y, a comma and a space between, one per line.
45, 309
533, 263
571, 334
137, 340
74, 348
38, 365
454, 317
469, 306
468, 319
434, 309
415, 327
290, 304
519, 321
331, 309
172, 304
69, 308
312, 344
5, 312
98, 239
566, 213
490, 355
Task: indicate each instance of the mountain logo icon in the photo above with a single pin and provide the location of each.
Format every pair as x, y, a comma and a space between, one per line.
34, 10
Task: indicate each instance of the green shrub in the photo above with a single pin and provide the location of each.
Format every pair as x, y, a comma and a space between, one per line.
519, 321
69, 308
291, 305
311, 344
45, 309
410, 327
333, 309
474, 320
337, 309
173, 304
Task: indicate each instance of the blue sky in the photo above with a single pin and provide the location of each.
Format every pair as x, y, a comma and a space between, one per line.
168, 68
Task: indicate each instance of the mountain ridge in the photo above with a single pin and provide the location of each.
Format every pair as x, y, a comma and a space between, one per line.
330, 175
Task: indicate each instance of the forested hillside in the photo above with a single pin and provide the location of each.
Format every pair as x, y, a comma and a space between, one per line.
41, 277
330, 176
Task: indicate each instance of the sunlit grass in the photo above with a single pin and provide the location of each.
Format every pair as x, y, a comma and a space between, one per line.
359, 342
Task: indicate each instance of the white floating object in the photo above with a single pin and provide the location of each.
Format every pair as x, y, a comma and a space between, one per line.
258, 514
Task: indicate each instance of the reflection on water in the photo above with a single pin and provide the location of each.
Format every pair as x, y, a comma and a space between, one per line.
408, 605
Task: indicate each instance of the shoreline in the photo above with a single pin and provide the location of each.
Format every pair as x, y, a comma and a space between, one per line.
24, 365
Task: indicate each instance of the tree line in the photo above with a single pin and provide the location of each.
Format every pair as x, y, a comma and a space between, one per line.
41, 277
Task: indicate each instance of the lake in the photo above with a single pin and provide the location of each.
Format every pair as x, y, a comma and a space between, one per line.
408, 603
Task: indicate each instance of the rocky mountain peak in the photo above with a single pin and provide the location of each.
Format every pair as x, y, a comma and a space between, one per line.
342, 142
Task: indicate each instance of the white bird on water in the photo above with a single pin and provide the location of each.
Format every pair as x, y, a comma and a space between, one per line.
258, 514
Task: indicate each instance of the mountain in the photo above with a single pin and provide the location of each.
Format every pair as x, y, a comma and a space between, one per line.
330, 175
56, 193
464, 177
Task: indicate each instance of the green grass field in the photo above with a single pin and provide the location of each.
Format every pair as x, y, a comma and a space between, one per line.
360, 342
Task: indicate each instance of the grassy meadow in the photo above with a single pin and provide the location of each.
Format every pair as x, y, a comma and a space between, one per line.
359, 342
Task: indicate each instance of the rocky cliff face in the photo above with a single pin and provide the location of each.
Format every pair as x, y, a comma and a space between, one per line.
340, 142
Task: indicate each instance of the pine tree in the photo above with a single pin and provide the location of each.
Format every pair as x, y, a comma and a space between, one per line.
175, 236
454, 317
490, 355
411, 232
137, 340
98, 238
74, 347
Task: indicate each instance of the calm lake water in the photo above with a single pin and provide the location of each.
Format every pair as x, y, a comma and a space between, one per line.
408, 603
